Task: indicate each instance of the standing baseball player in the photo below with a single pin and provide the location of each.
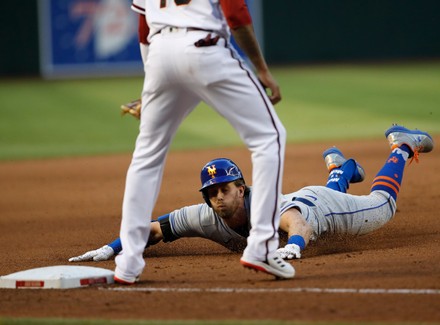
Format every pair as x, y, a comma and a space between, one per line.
190, 60
305, 215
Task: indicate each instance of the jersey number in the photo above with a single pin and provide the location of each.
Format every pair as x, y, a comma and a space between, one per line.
163, 3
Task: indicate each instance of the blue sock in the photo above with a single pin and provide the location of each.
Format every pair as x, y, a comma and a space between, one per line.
339, 178
389, 178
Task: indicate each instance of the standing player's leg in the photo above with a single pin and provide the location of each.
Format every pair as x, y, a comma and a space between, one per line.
404, 144
143, 181
238, 96
164, 105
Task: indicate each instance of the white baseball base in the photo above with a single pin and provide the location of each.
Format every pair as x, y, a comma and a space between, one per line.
57, 277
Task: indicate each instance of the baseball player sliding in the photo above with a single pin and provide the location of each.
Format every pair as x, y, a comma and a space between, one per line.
305, 215
188, 59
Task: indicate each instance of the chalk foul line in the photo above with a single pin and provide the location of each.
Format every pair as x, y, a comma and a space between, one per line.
280, 290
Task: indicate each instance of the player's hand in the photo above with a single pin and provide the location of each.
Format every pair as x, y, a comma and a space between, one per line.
290, 252
101, 254
269, 82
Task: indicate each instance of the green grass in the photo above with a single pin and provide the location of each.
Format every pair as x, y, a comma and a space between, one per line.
63, 118
81, 117
357, 101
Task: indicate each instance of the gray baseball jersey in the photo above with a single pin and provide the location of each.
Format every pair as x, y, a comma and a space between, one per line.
327, 211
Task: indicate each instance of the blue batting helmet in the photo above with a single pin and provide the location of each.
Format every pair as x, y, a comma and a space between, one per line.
217, 171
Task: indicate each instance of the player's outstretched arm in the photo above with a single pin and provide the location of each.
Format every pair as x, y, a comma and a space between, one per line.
106, 252
299, 232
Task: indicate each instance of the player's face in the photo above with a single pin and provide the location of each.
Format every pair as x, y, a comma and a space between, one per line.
225, 199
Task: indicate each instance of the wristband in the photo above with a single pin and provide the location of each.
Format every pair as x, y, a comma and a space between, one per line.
116, 245
297, 240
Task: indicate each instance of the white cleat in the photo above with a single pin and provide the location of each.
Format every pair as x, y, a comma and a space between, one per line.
274, 265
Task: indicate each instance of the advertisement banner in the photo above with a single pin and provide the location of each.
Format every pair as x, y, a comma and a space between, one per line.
88, 38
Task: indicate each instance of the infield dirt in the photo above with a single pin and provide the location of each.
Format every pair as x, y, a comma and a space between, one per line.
51, 210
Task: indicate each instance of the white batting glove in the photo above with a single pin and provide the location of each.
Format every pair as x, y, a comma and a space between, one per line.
101, 254
290, 252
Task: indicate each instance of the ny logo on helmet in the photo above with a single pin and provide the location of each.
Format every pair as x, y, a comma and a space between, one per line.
211, 170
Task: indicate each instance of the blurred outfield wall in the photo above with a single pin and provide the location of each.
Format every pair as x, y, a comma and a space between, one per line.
292, 31
297, 31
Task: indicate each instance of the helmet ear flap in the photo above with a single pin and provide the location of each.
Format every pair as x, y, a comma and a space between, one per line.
206, 198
